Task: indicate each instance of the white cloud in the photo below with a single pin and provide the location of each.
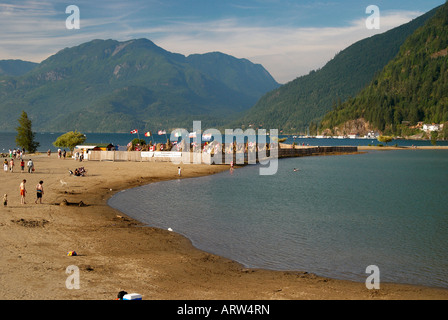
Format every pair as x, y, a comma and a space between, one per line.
284, 51
35, 30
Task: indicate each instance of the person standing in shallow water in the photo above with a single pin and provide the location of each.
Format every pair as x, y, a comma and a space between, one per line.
39, 192
22, 192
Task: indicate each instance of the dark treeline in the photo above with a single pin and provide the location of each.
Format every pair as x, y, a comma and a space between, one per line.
412, 88
304, 101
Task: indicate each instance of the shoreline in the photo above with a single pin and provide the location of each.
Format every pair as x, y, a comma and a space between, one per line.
115, 253
364, 148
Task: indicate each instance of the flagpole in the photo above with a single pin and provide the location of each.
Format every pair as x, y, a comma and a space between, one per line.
150, 135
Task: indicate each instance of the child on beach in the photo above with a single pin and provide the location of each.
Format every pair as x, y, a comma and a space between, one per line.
5, 200
22, 165
39, 191
5, 165
11, 164
22, 192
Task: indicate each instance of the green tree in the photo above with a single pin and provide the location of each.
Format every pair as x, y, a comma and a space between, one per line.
70, 140
385, 139
25, 136
434, 135
445, 131
137, 141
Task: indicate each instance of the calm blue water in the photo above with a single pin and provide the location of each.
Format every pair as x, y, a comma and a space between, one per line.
7, 140
334, 217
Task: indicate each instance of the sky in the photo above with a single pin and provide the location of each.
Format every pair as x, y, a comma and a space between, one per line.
288, 37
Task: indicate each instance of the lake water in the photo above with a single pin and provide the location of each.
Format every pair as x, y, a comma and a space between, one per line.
7, 140
334, 217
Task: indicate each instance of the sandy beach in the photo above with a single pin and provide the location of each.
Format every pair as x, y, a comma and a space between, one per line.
117, 253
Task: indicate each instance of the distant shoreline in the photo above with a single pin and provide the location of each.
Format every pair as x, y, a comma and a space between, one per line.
402, 148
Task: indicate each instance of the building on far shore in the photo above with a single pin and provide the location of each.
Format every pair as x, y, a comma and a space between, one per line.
432, 127
372, 135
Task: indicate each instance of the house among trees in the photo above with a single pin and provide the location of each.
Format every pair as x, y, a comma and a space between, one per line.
372, 135
432, 127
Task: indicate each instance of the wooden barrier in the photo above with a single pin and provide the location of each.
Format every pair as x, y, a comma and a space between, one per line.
206, 158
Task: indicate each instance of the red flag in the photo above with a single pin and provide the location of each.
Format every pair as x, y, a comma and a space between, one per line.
148, 134
134, 131
161, 132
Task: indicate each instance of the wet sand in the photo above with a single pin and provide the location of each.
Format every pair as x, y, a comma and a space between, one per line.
117, 253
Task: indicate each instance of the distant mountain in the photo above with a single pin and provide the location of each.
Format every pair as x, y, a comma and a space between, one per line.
111, 86
16, 67
413, 87
302, 102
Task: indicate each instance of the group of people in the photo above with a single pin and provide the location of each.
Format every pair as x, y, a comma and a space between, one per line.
16, 153
9, 165
61, 153
39, 192
79, 156
23, 191
79, 172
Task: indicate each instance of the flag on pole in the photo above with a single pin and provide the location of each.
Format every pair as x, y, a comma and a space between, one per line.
161, 132
207, 137
134, 131
192, 135
148, 134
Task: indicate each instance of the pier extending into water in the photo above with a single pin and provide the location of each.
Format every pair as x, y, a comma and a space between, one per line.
288, 151
284, 151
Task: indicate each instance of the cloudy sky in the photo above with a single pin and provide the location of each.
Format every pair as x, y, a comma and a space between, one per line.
288, 37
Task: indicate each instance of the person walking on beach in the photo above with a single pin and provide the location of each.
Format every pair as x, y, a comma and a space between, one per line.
178, 171
30, 166
5, 165
5, 200
11, 164
22, 165
22, 192
39, 191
